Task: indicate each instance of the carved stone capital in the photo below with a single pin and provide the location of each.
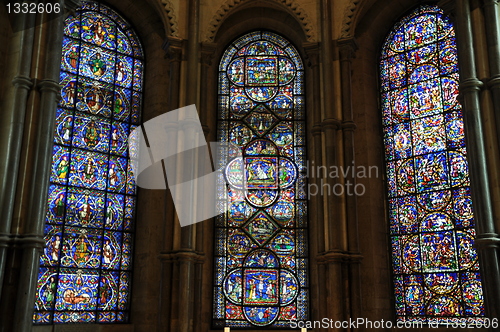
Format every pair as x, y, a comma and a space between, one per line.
173, 47
207, 53
347, 48
312, 52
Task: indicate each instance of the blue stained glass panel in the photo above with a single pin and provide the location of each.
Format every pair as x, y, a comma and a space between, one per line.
436, 270
261, 236
85, 265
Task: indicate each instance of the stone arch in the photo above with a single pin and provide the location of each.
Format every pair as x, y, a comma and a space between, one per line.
290, 6
147, 18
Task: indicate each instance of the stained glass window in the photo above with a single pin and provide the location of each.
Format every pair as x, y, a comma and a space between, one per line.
261, 241
436, 270
86, 265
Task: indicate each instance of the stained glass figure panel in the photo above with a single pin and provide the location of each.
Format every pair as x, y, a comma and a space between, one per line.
435, 265
261, 241
85, 266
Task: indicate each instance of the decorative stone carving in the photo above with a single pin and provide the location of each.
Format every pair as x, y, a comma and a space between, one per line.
349, 14
291, 6
172, 18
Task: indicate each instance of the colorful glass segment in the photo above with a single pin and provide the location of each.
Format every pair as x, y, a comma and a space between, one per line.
86, 265
436, 270
261, 245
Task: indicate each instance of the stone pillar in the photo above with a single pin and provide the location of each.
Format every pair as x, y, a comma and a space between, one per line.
184, 255
41, 162
316, 207
347, 48
487, 239
330, 126
166, 306
168, 273
12, 126
26, 145
331, 264
492, 23
333, 267
207, 93
208, 89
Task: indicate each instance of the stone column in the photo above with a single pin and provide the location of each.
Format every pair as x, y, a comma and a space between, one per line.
330, 124
208, 86
168, 273
12, 126
41, 156
173, 47
186, 255
27, 147
207, 91
487, 239
316, 207
492, 23
347, 48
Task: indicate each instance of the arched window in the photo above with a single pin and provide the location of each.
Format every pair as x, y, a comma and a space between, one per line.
261, 242
86, 266
436, 270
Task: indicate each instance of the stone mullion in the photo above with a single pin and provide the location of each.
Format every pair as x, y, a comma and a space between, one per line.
347, 50
487, 240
